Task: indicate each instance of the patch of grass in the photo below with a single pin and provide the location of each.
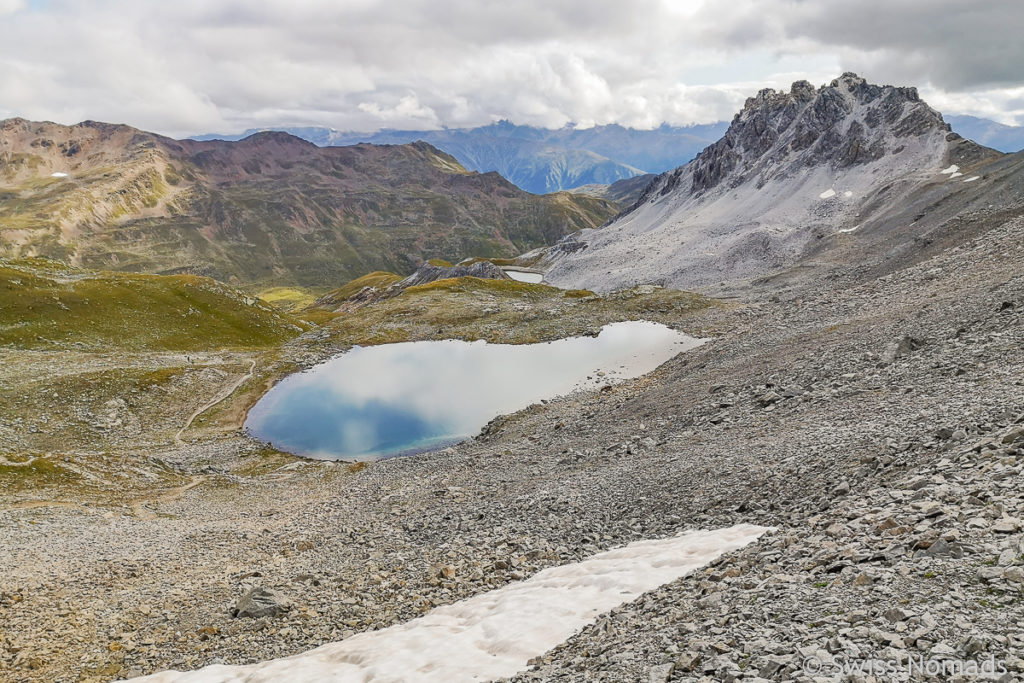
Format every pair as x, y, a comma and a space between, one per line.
317, 316
475, 284
33, 472
288, 298
495, 261
502, 311
263, 461
357, 466
44, 304
379, 279
577, 293
158, 377
439, 262
30, 467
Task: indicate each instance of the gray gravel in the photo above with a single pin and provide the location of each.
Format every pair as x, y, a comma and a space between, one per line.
876, 424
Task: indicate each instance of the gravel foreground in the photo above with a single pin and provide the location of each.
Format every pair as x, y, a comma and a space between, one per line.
878, 426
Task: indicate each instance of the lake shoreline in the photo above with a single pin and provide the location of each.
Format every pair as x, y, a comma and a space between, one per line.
384, 401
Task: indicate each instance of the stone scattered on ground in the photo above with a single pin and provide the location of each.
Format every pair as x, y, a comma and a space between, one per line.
261, 602
894, 482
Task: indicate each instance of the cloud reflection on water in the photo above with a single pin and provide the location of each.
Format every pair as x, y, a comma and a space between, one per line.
381, 400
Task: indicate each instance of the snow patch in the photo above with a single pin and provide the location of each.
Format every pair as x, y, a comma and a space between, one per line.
849, 230
972, 178
495, 634
952, 169
827, 194
58, 174
848, 194
955, 175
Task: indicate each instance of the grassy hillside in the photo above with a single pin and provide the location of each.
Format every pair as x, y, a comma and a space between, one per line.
270, 210
48, 305
379, 279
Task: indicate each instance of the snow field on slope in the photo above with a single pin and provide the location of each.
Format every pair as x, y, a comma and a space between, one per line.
494, 634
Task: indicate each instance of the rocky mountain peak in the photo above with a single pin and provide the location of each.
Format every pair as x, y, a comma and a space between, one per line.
13, 123
842, 124
798, 170
276, 137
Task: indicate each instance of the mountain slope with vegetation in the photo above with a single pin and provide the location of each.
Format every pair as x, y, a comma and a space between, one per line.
625, 193
46, 304
268, 210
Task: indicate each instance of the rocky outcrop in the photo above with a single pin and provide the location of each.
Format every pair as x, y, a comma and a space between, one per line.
842, 124
428, 273
345, 300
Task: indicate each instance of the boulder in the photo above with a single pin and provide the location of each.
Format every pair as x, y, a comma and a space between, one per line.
261, 602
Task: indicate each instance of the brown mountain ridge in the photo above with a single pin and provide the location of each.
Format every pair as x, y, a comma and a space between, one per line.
269, 209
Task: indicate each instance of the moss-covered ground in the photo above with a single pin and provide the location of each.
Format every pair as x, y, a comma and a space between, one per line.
379, 279
503, 311
46, 304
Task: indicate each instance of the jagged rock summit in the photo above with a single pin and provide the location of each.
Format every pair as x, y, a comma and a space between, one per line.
794, 168
843, 124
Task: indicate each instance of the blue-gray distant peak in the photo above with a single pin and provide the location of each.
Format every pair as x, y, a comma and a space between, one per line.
989, 133
542, 160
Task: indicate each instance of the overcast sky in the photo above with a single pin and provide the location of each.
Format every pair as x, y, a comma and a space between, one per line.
182, 67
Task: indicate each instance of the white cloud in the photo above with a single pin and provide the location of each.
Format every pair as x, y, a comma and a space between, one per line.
11, 6
199, 66
1003, 105
408, 111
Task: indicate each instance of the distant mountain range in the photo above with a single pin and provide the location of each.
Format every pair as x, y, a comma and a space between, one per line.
542, 160
271, 209
275, 209
989, 133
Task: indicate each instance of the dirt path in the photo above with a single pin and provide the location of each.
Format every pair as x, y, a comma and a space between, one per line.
223, 395
137, 505
33, 504
141, 512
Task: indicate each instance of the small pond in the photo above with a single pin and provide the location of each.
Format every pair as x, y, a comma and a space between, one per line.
380, 401
524, 276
